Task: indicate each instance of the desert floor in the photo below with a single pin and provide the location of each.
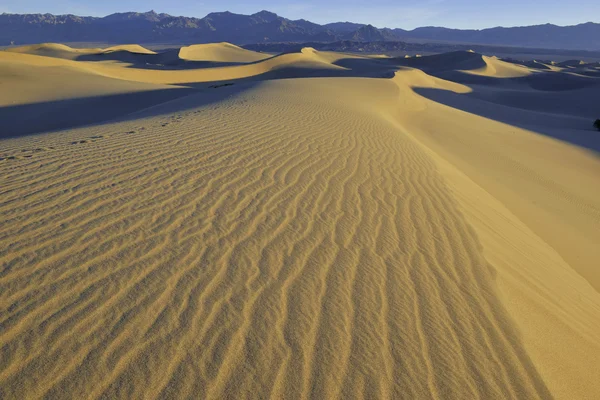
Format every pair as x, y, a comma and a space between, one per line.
215, 223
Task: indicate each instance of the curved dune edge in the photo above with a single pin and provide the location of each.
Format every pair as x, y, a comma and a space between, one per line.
533, 280
132, 48
47, 49
63, 51
220, 52
556, 310
286, 240
301, 61
500, 69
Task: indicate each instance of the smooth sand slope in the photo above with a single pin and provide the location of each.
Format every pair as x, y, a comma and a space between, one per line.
367, 228
220, 52
57, 50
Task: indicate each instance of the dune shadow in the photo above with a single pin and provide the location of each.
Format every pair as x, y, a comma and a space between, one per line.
455, 60
27, 119
457, 67
180, 65
595, 73
572, 129
168, 60
371, 68
543, 80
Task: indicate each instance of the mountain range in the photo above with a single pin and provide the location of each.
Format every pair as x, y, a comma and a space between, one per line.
268, 27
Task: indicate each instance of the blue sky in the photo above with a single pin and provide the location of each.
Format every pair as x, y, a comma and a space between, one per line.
382, 13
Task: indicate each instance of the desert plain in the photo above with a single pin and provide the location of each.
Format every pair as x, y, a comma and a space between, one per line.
212, 222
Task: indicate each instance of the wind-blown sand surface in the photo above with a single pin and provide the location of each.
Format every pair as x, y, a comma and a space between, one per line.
366, 228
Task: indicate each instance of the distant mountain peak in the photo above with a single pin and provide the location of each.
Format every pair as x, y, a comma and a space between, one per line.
368, 28
220, 13
265, 14
369, 33
151, 16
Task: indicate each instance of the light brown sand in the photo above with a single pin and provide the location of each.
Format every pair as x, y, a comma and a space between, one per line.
350, 232
57, 50
220, 52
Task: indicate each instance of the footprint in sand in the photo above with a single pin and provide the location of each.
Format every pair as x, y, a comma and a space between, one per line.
14, 157
37, 150
89, 139
2, 158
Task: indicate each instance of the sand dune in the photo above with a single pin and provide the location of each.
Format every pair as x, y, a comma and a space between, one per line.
53, 50
63, 51
132, 48
310, 225
496, 68
297, 64
220, 52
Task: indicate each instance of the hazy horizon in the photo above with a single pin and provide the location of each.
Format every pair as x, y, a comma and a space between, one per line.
463, 14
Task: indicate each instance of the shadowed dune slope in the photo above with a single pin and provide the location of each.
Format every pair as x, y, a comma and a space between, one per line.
340, 236
38, 97
457, 60
132, 48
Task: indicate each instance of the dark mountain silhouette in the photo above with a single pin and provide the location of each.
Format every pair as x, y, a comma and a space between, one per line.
150, 16
268, 27
368, 33
343, 27
582, 36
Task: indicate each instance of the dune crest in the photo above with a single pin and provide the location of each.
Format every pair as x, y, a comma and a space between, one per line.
497, 68
60, 50
40, 47
220, 52
53, 50
132, 48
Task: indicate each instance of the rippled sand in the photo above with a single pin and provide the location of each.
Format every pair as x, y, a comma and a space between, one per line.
367, 229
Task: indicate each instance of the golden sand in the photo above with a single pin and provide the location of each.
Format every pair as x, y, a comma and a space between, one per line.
220, 52
366, 228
